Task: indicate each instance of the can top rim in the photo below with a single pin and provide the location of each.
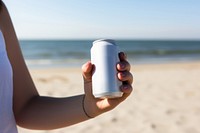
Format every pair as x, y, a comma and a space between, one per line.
105, 40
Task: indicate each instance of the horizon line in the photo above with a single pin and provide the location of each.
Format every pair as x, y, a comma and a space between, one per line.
125, 39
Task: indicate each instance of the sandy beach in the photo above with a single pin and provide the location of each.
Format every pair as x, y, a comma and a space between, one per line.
166, 99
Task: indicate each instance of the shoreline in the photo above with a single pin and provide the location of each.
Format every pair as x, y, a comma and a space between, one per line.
133, 65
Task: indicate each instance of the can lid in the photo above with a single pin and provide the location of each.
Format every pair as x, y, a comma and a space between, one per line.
105, 40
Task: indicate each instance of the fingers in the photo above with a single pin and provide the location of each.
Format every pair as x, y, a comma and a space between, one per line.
124, 69
126, 77
87, 69
126, 89
123, 65
122, 56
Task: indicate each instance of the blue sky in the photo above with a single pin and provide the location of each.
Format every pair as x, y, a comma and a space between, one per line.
116, 19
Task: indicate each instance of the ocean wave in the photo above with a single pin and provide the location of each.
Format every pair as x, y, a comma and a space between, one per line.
75, 53
163, 52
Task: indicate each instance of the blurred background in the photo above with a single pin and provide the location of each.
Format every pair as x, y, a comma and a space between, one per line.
161, 39
60, 33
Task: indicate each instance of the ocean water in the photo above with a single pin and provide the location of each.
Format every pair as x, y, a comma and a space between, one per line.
70, 53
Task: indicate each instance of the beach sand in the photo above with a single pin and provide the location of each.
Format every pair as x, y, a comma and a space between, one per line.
166, 99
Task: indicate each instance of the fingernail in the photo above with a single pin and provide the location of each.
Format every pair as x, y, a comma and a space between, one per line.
122, 66
125, 87
123, 74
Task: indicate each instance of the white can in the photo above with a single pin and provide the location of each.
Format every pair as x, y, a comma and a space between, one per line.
104, 56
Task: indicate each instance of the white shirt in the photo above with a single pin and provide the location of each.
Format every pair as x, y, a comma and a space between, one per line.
7, 120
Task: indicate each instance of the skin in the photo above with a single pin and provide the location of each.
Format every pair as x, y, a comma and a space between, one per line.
39, 112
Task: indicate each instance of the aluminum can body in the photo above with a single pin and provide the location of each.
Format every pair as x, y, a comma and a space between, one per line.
104, 56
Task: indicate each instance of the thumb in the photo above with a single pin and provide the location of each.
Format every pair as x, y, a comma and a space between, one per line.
87, 71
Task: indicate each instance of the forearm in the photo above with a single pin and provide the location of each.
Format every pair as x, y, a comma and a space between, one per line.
50, 113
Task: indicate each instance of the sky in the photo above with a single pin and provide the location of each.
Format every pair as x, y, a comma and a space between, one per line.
116, 19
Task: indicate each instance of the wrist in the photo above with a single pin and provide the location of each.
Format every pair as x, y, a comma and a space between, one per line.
84, 109
89, 107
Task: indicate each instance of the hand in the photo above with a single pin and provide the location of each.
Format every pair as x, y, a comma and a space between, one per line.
94, 106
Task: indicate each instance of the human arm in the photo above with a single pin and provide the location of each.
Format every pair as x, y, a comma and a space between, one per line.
30, 109
38, 112
50, 113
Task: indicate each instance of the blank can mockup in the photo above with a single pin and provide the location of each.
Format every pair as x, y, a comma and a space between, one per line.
104, 56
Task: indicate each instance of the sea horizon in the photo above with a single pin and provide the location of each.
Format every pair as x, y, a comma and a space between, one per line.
74, 52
